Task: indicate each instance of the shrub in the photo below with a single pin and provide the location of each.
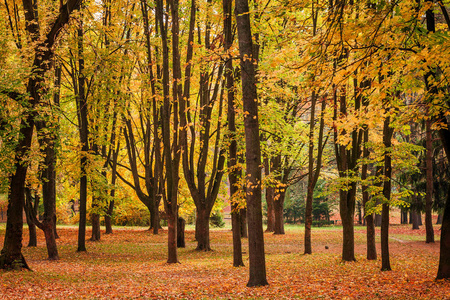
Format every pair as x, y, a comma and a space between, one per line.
216, 220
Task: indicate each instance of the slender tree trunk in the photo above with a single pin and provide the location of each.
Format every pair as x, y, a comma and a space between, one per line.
429, 185
108, 219
84, 134
243, 220
278, 205
48, 173
234, 173
370, 226
252, 152
269, 199
29, 210
387, 141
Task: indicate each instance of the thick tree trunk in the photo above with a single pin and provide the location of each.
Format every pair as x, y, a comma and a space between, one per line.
415, 220
11, 255
95, 221
181, 243
278, 205
154, 216
253, 151
347, 213
202, 229
444, 256
172, 220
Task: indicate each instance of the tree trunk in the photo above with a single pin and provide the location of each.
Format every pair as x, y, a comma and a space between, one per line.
439, 219
95, 221
308, 219
444, 256
278, 205
181, 243
370, 226
387, 141
252, 152
243, 225
404, 216
234, 172
11, 255
202, 229
429, 185
108, 221
29, 210
269, 199
47, 140
347, 212
415, 220
84, 140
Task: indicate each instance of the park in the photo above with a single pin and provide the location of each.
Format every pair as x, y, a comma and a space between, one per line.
130, 264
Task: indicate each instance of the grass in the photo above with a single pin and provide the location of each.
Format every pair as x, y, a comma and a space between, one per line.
131, 264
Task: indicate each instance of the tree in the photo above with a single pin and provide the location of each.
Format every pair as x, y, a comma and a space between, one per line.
234, 172
11, 254
203, 182
252, 150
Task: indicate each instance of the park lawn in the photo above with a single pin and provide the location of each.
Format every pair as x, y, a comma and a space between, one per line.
130, 264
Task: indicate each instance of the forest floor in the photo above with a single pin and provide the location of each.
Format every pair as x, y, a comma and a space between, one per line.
130, 264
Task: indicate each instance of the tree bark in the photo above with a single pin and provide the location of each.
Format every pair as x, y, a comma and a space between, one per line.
429, 184
252, 152
243, 225
269, 198
84, 140
202, 229
278, 205
48, 177
387, 141
444, 256
234, 172
29, 210
370, 225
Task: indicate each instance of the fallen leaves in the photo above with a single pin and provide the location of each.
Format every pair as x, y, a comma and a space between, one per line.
130, 264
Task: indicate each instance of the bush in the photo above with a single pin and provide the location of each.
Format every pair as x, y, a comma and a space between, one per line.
320, 223
216, 220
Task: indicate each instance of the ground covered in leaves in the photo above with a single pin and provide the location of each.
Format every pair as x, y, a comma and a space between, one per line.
130, 264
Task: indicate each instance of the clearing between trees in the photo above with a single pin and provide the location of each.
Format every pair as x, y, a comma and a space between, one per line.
131, 264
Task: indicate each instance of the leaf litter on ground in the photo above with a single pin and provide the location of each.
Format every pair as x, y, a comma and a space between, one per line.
130, 264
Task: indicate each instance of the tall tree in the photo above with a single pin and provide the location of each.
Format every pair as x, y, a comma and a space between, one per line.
203, 183
43, 48
234, 173
252, 151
